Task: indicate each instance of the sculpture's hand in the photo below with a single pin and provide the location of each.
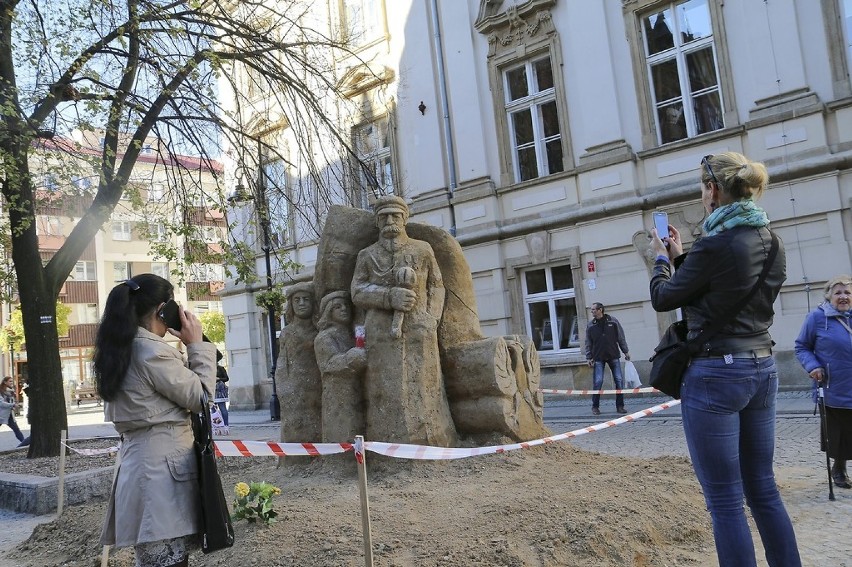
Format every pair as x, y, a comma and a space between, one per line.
356, 358
402, 299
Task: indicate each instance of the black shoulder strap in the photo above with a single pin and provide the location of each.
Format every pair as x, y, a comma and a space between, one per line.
719, 322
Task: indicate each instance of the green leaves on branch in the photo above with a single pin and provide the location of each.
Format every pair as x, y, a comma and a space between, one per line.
271, 300
213, 325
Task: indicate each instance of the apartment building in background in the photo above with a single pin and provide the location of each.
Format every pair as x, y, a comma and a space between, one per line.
146, 217
544, 133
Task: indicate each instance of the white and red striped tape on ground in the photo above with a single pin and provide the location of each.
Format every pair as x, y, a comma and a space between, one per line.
439, 453
271, 449
589, 392
396, 450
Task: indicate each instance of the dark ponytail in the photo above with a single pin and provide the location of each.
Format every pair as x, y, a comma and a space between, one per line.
126, 306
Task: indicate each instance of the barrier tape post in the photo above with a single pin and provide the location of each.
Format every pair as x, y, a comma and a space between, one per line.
360, 459
105, 552
60, 487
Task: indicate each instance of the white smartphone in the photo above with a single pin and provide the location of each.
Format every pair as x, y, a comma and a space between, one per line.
661, 223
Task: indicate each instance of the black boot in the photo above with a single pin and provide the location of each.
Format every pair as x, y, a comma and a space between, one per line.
838, 474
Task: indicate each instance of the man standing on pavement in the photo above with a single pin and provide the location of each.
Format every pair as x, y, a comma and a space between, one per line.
604, 338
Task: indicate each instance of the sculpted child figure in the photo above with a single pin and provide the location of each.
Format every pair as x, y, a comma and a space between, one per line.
342, 366
297, 375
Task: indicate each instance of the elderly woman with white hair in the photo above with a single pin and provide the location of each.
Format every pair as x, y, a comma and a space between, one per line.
824, 349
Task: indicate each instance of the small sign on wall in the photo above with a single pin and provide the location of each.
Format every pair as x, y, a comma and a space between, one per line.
590, 266
592, 284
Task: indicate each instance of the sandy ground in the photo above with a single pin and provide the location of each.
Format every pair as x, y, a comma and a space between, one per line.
572, 503
551, 505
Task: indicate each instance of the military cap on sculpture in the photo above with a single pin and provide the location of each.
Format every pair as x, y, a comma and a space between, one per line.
388, 203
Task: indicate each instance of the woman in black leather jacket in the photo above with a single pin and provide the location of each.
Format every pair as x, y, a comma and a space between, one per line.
729, 389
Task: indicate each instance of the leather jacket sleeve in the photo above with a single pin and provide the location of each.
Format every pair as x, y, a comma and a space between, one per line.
716, 272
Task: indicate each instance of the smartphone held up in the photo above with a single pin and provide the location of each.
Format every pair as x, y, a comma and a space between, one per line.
661, 223
170, 315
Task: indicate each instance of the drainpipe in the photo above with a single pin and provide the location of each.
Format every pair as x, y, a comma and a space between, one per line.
445, 110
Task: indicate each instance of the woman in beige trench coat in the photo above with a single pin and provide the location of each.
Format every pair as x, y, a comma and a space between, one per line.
148, 393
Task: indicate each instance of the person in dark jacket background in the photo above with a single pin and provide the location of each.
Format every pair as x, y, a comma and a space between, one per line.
604, 338
729, 390
824, 349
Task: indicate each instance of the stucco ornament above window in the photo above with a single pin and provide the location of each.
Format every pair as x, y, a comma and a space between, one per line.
512, 26
362, 77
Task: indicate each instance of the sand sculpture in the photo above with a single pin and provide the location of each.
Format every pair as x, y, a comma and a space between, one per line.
426, 374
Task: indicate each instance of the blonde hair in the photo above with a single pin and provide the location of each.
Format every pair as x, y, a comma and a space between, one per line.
840, 279
736, 175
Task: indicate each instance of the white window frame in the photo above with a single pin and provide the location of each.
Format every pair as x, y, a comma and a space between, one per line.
161, 269
86, 313
210, 234
156, 192
121, 271
551, 296
206, 273
361, 21
276, 189
122, 231
380, 179
85, 271
157, 232
533, 103
49, 225
679, 53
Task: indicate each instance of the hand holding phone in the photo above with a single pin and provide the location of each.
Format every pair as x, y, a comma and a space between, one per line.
661, 223
170, 315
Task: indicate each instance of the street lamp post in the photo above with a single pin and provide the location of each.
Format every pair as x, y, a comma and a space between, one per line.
263, 204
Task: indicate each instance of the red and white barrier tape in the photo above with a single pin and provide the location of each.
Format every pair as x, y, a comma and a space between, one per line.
94, 452
589, 392
404, 451
439, 453
271, 449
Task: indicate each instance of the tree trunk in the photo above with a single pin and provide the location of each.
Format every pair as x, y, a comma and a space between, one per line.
46, 415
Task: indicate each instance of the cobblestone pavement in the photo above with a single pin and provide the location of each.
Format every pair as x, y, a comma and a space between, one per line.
822, 527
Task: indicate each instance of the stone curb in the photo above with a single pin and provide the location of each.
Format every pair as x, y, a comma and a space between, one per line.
36, 495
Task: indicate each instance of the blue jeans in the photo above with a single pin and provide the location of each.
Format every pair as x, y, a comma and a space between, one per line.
13, 425
597, 384
223, 408
729, 420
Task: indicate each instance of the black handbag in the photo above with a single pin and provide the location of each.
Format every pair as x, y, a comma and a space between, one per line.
216, 529
674, 353
671, 359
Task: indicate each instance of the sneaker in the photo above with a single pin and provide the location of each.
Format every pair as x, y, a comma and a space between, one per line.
596, 411
621, 410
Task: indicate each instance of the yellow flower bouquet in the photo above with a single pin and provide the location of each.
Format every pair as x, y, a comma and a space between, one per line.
254, 502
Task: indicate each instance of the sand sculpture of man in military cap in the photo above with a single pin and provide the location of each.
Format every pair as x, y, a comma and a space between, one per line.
297, 374
398, 284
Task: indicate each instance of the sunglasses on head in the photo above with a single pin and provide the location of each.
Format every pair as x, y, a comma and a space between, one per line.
705, 162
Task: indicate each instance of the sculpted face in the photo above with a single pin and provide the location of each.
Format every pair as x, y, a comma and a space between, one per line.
841, 297
303, 304
340, 312
391, 223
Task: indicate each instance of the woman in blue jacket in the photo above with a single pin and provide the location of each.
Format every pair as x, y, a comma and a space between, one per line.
824, 348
